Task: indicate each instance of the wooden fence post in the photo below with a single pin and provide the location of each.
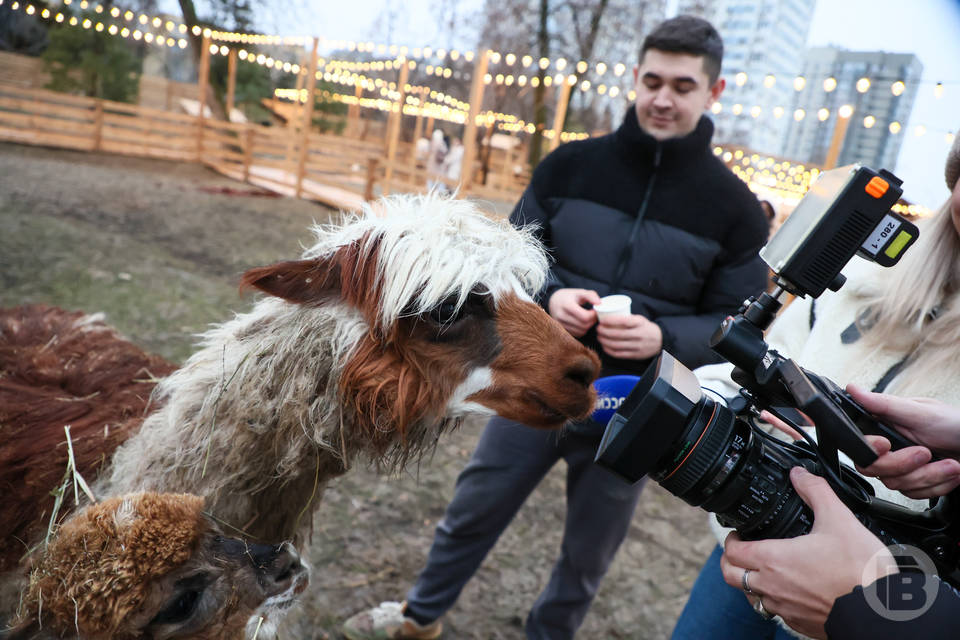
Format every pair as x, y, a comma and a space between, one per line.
371, 179
248, 152
563, 99
203, 81
418, 124
470, 134
231, 82
98, 125
289, 158
394, 123
507, 169
307, 116
353, 112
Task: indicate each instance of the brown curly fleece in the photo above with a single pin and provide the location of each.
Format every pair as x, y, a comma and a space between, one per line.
97, 569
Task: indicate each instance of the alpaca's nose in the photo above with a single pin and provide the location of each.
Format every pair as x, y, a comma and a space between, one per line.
278, 566
285, 567
583, 370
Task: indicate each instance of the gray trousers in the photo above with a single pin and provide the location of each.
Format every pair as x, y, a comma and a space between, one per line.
508, 463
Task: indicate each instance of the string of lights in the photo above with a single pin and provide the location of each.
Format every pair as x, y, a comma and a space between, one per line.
790, 180
174, 32
786, 180
599, 69
439, 106
172, 37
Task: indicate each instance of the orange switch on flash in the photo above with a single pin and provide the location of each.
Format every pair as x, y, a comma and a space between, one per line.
877, 187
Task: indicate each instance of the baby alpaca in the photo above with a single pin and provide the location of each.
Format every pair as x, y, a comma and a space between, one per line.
151, 565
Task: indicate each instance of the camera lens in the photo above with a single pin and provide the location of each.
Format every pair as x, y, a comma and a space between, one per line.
719, 464
699, 451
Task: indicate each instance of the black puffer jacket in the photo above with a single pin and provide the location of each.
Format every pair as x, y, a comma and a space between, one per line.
694, 258
908, 595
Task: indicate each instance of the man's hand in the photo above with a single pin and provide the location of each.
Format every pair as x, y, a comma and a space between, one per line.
566, 307
630, 336
925, 421
799, 578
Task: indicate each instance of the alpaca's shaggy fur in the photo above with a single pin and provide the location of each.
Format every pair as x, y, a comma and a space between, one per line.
394, 325
115, 567
263, 404
61, 368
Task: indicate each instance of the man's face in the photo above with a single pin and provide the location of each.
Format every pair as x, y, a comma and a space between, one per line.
673, 91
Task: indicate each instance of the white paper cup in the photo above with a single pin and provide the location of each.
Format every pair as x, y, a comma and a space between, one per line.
615, 305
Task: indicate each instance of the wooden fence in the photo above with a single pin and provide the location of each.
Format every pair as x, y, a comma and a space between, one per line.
337, 170
22, 71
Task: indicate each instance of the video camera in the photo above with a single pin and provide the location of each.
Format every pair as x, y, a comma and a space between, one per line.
711, 454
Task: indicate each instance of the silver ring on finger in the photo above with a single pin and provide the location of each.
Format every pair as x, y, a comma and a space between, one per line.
745, 583
761, 610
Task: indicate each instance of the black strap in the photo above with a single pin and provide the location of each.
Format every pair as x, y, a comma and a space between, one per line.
890, 375
627, 251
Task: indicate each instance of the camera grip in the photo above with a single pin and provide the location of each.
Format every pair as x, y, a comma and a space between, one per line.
848, 439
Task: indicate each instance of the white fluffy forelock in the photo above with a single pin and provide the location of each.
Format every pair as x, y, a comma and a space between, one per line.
431, 247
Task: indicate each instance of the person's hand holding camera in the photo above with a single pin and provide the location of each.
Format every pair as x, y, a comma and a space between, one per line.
566, 306
800, 578
780, 571
925, 421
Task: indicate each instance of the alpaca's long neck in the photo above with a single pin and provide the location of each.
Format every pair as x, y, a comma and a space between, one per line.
252, 420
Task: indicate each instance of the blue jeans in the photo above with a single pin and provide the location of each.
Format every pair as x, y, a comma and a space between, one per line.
717, 611
508, 463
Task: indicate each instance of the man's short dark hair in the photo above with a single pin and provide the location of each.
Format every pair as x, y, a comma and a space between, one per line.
688, 34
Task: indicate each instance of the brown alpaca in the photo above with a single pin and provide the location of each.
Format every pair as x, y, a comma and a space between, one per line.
61, 368
390, 330
153, 565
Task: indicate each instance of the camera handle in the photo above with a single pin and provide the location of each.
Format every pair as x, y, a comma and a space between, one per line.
865, 422
780, 381
835, 430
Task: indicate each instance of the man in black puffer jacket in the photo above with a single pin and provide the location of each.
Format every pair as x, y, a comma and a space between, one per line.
647, 211
686, 264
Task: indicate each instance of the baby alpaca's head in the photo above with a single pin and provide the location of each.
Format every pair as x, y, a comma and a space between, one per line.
154, 565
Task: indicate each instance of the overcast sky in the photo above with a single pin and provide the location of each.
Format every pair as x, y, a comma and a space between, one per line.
931, 30
928, 28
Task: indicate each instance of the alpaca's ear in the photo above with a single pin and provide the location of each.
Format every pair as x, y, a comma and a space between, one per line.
300, 281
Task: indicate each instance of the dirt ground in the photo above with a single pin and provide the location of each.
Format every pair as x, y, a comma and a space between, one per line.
156, 247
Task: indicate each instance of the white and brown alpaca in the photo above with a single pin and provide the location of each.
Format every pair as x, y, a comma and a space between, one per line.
393, 327
152, 565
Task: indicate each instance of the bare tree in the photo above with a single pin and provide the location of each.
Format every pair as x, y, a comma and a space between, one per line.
454, 20
539, 108
190, 18
388, 22
577, 30
236, 15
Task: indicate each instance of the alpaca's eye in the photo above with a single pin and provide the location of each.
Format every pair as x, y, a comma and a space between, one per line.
446, 313
453, 309
180, 608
